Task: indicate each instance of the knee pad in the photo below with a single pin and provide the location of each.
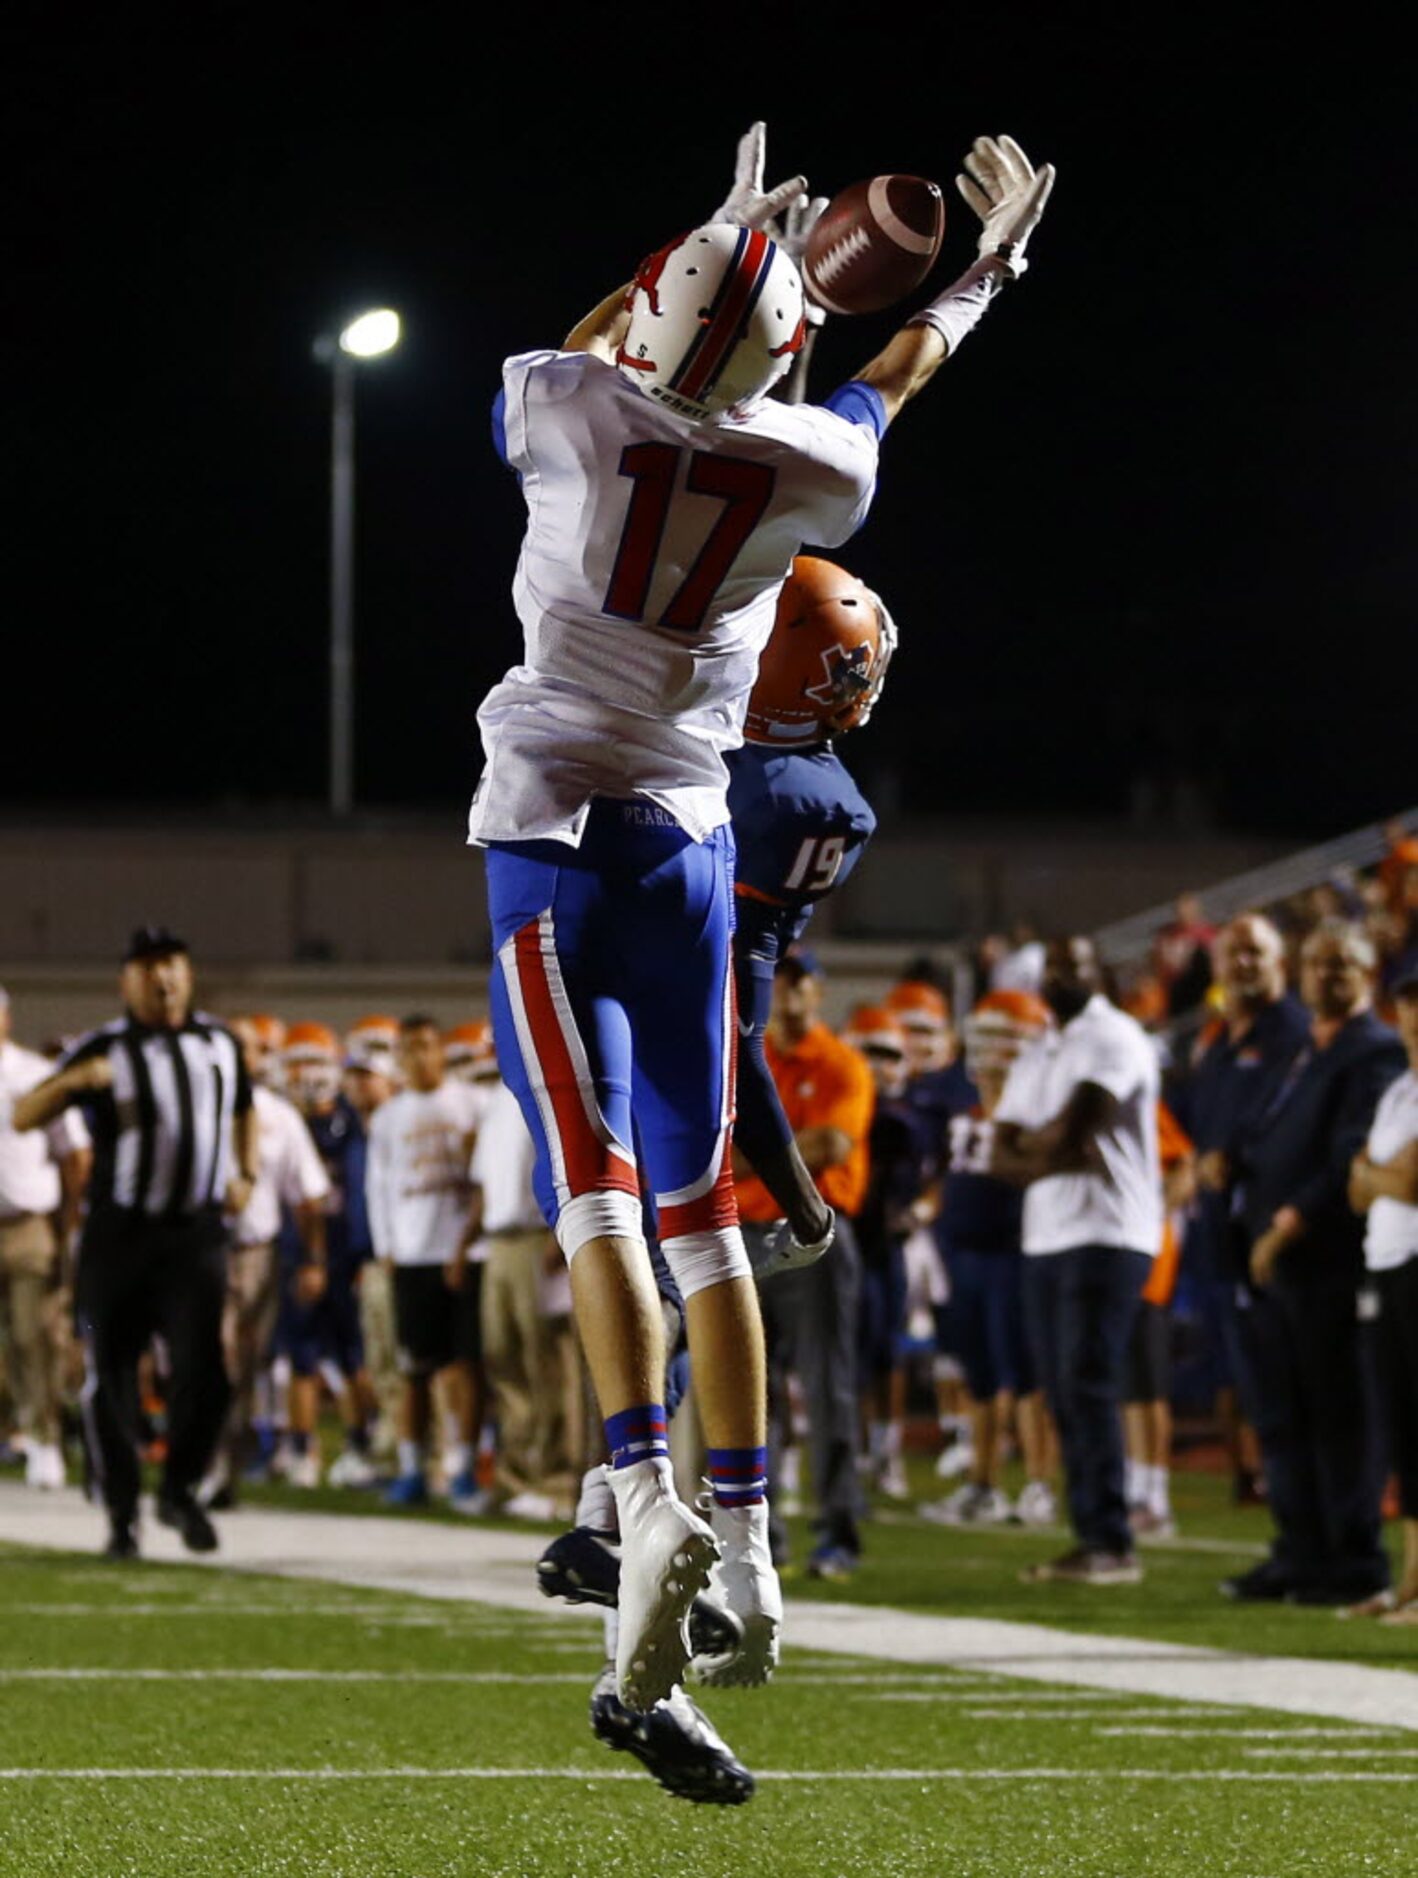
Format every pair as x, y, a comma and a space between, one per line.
701, 1259
607, 1214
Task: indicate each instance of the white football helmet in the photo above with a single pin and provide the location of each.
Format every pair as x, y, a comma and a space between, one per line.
715, 320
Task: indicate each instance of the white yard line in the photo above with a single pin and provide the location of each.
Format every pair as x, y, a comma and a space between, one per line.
1113, 1775
1369, 1753
491, 1565
1213, 1733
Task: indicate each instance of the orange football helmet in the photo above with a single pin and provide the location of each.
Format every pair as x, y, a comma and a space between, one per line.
469, 1052
918, 1006
999, 1027
875, 1032
311, 1059
825, 662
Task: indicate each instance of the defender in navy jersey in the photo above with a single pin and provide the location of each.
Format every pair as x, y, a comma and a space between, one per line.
800, 826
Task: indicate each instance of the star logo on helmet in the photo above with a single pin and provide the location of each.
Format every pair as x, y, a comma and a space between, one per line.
844, 675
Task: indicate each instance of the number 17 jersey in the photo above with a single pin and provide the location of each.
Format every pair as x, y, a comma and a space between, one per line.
649, 576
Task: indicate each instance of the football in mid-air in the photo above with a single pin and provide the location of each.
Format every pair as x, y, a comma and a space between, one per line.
873, 243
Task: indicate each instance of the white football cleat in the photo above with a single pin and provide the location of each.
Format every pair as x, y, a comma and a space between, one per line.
746, 1581
666, 1552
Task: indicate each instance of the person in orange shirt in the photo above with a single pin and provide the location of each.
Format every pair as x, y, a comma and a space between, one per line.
810, 1315
1147, 1411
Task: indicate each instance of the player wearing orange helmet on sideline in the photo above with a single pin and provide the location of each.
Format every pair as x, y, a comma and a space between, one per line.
319, 1330
923, 1012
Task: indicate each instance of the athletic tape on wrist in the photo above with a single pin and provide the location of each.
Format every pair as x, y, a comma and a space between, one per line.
963, 305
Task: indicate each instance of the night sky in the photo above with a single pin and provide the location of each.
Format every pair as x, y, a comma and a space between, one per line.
1156, 518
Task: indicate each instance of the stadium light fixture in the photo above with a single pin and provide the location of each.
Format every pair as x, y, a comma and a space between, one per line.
370, 335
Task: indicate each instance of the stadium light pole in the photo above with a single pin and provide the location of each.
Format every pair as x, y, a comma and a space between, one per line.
369, 336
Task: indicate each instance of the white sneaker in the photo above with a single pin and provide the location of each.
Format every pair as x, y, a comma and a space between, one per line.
1036, 1505
44, 1466
303, 1470
746, 1580
957, 1459
352, 1469
528, 1504
970, 1505
891, 1479
666, 1553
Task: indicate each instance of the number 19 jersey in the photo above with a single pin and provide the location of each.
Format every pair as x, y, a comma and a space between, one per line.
647, 585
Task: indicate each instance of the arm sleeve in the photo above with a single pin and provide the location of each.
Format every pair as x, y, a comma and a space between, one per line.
761, 1128
859, 404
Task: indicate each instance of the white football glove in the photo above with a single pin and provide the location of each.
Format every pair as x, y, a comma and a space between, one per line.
746, 205
791, 232
1008, 195
782, 1253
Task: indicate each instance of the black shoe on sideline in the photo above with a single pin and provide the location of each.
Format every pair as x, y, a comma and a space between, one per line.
1262, 1584
1337, 1592
122, 1541
187, 1519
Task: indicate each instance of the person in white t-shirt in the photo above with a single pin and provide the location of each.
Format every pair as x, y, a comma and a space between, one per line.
1077, 1126
1383, 1182
41, 1173
419, 1193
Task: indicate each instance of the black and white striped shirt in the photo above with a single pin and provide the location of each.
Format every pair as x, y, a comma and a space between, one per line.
162, 1132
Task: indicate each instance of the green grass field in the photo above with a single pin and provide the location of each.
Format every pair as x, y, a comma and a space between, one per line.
163, 1720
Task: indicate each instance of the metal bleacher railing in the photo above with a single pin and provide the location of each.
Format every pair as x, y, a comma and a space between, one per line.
1126, 941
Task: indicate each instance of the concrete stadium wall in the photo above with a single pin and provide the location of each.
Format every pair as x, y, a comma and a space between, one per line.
407, 893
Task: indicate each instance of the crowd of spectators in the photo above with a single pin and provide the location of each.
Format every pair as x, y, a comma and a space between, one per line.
1025, 1189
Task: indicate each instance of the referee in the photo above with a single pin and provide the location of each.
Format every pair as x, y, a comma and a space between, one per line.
168, 1103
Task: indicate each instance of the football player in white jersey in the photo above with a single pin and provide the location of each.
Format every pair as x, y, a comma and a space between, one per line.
666, 497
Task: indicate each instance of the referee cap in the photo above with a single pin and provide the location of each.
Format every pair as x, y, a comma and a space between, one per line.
152, 942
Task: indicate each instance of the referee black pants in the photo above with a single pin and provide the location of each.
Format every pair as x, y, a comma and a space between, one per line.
139, 1278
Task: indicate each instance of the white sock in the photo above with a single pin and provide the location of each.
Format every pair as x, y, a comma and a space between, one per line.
1159, 1492
1135, 1489
891, 1440
457, 1459
410, 1458
596, 1506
